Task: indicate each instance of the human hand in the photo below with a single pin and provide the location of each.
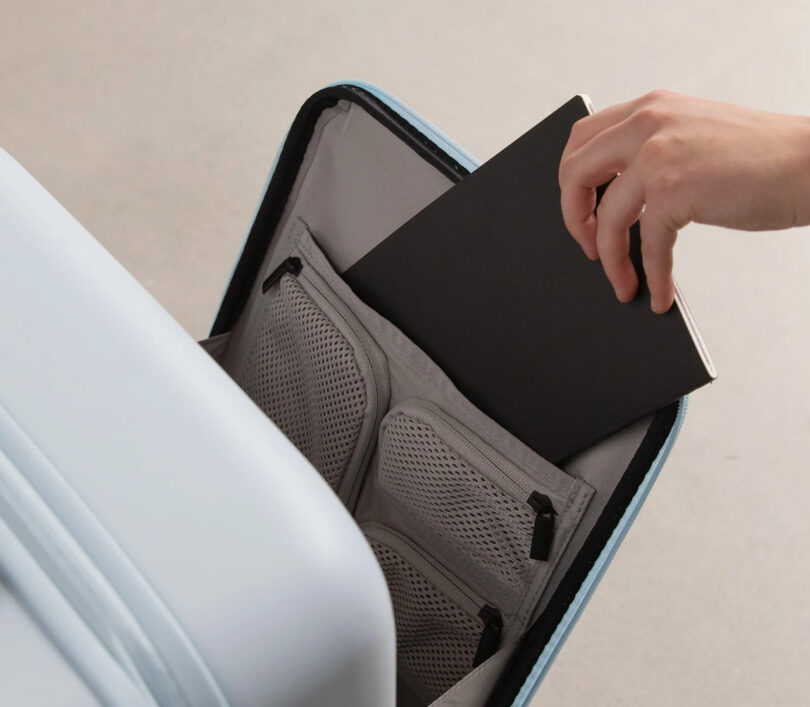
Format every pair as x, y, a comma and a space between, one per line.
679, 159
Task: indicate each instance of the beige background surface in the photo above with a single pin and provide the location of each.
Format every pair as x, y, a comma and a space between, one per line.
156, 125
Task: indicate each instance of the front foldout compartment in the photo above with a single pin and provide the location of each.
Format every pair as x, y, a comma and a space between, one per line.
492, 522
444, 628
445, 495
310, 365
326, 182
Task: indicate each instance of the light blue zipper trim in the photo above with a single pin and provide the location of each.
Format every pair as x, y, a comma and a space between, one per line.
597, 572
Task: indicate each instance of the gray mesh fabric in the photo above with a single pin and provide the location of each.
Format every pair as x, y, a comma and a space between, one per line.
436, 639
451, 497
301, 371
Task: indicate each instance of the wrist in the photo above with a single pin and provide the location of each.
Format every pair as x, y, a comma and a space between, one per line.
801, 178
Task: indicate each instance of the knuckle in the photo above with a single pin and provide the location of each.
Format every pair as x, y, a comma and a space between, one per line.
569, 224
658, 95
658, 149
606, 218
578, 127
610, 253
650, 117
611, 262
564, 172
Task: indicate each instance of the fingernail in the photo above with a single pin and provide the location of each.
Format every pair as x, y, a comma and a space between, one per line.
656, 307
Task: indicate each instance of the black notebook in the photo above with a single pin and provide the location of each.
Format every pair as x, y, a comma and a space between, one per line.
488, 281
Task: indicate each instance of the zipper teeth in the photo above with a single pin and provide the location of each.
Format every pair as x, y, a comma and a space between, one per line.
676, 428
586, 588
463, 434
395, 541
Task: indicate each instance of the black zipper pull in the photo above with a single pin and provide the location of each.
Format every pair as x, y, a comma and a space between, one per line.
490, 636
543, 525
290, 265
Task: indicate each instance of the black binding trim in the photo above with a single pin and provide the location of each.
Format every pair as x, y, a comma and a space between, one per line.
289, 163
524, 658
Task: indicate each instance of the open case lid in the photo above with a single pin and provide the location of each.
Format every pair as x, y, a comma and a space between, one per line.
172, 542
357, 164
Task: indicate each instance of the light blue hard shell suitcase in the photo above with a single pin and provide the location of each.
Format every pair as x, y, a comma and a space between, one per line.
182, 549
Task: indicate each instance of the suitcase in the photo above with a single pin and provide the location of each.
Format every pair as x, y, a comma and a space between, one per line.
303, 509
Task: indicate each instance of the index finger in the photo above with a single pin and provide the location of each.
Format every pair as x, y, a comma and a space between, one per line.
585, 128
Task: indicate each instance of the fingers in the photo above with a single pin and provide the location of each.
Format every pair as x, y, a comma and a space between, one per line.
600, 147
658, 236
619, 209
578, 204
595, 163
585, 128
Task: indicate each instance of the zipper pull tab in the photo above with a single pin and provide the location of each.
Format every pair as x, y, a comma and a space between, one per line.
290, 265
490, 636
543, 525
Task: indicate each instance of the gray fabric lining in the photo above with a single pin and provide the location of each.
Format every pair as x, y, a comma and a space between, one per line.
601, 467
475, 688
216, 345
357, 184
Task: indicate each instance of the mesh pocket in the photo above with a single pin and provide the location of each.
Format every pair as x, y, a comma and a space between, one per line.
449, 495
437, 639
303, 371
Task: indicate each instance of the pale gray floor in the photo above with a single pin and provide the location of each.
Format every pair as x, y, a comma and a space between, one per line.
156, 123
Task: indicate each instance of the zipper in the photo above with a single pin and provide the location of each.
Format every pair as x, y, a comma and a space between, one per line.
490, 636
520, 488
542, 642
430, 131
291, 266
320, 291
543, 533
459, 593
